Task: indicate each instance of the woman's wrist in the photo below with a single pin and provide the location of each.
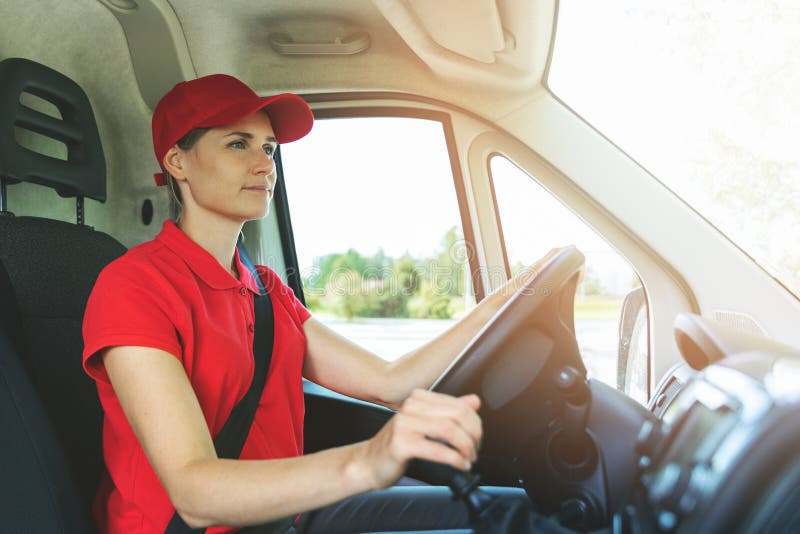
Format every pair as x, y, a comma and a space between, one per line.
357, 472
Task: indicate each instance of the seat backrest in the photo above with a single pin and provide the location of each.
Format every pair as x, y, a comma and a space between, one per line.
49, 269
52, 267
37, 493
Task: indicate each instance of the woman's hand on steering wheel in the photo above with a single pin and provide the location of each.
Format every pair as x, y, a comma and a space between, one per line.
429, 426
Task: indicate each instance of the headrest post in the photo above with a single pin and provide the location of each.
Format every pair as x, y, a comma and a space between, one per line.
2, 195
79, 207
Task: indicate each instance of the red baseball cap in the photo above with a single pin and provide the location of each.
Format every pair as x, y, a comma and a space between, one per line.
220, 99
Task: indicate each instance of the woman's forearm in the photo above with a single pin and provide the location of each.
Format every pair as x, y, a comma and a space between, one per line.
247, 492
211, 491
343, 366
421, 367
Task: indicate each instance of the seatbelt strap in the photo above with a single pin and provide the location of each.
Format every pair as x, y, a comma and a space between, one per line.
230, 440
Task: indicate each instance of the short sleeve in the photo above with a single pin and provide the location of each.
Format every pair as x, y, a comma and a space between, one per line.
302, 312
276, 288
128, 306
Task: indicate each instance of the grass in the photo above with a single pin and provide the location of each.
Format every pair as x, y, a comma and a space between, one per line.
597, 307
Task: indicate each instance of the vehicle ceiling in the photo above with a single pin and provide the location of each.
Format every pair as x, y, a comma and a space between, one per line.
508, 40
233, 37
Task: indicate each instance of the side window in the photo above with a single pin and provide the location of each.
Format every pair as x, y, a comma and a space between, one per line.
377, 230
533, 222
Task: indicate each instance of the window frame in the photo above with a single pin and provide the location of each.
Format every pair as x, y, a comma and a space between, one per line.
649, 386
354, 112
652, 270
284, 219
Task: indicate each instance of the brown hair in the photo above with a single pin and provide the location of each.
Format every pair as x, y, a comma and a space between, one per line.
184, 143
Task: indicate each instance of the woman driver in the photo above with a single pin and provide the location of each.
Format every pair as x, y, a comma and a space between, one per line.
168, 337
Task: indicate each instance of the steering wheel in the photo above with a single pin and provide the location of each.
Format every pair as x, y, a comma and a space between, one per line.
512, 363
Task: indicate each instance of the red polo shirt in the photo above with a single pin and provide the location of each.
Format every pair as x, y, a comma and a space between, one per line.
171, 294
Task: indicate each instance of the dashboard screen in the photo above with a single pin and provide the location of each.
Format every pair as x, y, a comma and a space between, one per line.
699, 434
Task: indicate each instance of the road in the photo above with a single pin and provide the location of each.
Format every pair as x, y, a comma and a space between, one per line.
391, 338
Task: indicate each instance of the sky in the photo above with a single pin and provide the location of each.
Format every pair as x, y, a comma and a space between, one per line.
367, 184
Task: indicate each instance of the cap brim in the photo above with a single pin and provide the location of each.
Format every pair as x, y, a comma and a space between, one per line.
289, 114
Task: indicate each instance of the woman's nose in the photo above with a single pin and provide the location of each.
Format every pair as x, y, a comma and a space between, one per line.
264, 164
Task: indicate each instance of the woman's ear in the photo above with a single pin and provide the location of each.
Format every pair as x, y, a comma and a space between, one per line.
174, 163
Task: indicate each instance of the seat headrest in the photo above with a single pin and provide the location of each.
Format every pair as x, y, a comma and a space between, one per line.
83, 174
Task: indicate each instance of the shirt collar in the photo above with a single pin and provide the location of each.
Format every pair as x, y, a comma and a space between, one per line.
202, 263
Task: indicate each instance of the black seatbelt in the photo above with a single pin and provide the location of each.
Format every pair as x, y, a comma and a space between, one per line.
230, 440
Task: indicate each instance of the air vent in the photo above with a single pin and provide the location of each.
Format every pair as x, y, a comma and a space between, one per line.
665, 396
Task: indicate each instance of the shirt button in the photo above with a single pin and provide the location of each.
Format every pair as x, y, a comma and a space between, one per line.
251, 328
242, 291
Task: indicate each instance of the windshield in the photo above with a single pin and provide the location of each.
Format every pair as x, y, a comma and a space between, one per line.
706, 96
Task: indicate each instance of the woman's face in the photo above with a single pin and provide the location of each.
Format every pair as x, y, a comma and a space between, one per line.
230, 171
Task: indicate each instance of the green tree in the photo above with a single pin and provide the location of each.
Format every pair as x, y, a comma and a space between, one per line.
591, 284
353, 285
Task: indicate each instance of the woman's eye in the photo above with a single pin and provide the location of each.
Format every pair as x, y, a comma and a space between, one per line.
237, 144
269, 150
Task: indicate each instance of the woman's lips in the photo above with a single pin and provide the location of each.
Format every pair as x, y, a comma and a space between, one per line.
258, 189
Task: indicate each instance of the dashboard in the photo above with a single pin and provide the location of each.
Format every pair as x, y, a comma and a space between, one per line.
723, 455
716, 452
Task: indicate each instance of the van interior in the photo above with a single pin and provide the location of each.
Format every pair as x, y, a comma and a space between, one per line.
646, 380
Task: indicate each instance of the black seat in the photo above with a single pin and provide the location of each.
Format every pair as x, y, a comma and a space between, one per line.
49, 410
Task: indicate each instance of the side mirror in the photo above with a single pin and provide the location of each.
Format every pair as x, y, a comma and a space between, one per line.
632, 357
